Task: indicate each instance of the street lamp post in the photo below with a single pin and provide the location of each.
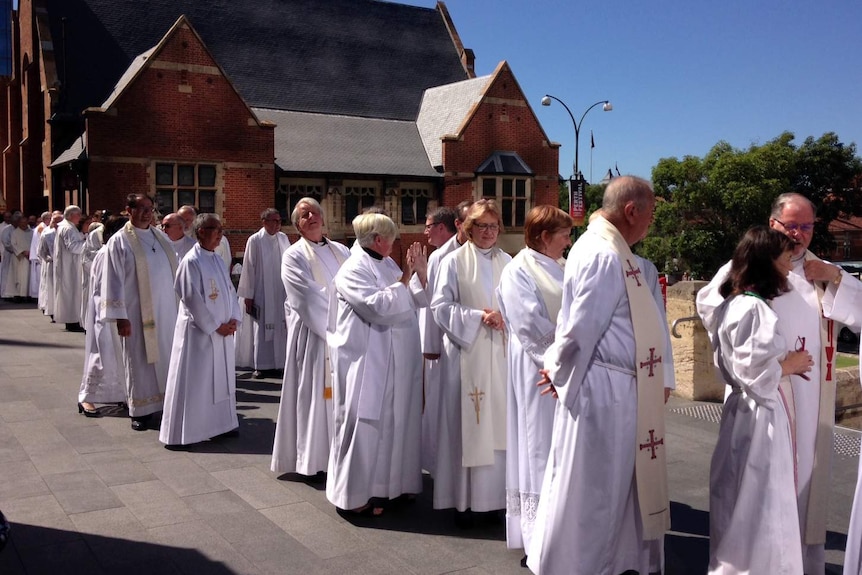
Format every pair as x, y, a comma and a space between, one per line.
576, 174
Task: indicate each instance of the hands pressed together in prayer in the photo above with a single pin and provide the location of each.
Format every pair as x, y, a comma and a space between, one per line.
416, 260
227, 329
819, 271
797, 363
493, 319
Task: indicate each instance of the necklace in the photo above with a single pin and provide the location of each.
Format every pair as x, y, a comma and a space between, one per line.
153, 237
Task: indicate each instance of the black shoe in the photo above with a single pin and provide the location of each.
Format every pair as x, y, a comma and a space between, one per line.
140, 423
88, 412
74, 327
257, 374
524, 561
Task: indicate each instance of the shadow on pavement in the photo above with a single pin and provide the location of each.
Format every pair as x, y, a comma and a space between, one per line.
36, 550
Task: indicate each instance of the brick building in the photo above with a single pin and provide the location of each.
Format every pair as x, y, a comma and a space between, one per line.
355, 102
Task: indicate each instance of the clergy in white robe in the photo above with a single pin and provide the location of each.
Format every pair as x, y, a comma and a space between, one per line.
200, 400
754, 525
103, 380
808, 315
68, 247
93, 241
441, 230
260, 284
603, 507
304, 428
6, 276
19, 270
46, 254
35, 260
176, 229
470, 472
530, 295
139, 297
373, 335
5, 223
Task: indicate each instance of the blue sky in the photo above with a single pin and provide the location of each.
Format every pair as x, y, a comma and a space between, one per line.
681, 74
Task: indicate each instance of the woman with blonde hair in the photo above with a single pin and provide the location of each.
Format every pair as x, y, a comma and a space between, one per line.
373, 336
471, 431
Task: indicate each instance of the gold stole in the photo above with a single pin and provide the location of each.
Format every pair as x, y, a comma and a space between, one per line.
142, 271
550, 290
650, 463
483, 375
320, 279
814, 532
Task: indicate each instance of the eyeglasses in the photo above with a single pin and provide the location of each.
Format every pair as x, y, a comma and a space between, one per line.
487, 227
429, 226
796, 227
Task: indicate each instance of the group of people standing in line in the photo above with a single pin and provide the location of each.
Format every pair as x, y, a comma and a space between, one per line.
533, 384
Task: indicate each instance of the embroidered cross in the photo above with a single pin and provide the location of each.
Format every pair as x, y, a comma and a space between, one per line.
633, 272
652, 444
213, 290
477, 396
653, 360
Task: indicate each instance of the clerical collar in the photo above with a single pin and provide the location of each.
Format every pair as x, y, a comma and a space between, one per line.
322, 242
485, 251
373, 254
799, 259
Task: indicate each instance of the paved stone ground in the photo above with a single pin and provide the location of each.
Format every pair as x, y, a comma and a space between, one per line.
92, 496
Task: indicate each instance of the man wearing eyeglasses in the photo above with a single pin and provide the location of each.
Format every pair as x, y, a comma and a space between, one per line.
809, 314
174, 227
260, 285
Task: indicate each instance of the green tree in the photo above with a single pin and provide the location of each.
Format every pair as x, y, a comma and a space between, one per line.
705, 204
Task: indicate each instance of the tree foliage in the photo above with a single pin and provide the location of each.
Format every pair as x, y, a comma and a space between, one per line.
706, 204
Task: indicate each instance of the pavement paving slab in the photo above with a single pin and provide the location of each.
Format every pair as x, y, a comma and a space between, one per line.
91, 496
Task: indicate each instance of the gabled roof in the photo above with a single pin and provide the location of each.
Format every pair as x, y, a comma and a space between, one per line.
327, 143
509, 163
77, 151
443, 110
354, 57
130, 74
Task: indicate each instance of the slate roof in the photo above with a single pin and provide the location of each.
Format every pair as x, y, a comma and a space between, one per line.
76, 151
443, 110
347, 144
353, 57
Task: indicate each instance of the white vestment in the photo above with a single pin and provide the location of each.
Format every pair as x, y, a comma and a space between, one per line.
260, 281
799, 313
754, 524
223, 250
373, 335
530, 416
432, 343
68, 247
244, 336
18, 284
480, 488
35, 263
183, 245
304, 428
92, 244
46, 286
200, 400
103, 380
8, 257
588, 521
122, 300
3, 226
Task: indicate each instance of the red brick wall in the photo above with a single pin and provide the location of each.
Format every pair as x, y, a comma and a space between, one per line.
174, 113
504, 123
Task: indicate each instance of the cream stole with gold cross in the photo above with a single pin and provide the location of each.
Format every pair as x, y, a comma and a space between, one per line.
142, 271
650, 461
483, 371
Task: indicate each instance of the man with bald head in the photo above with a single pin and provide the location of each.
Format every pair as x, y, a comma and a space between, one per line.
174, 227
604, 504
68, 249
808, 316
